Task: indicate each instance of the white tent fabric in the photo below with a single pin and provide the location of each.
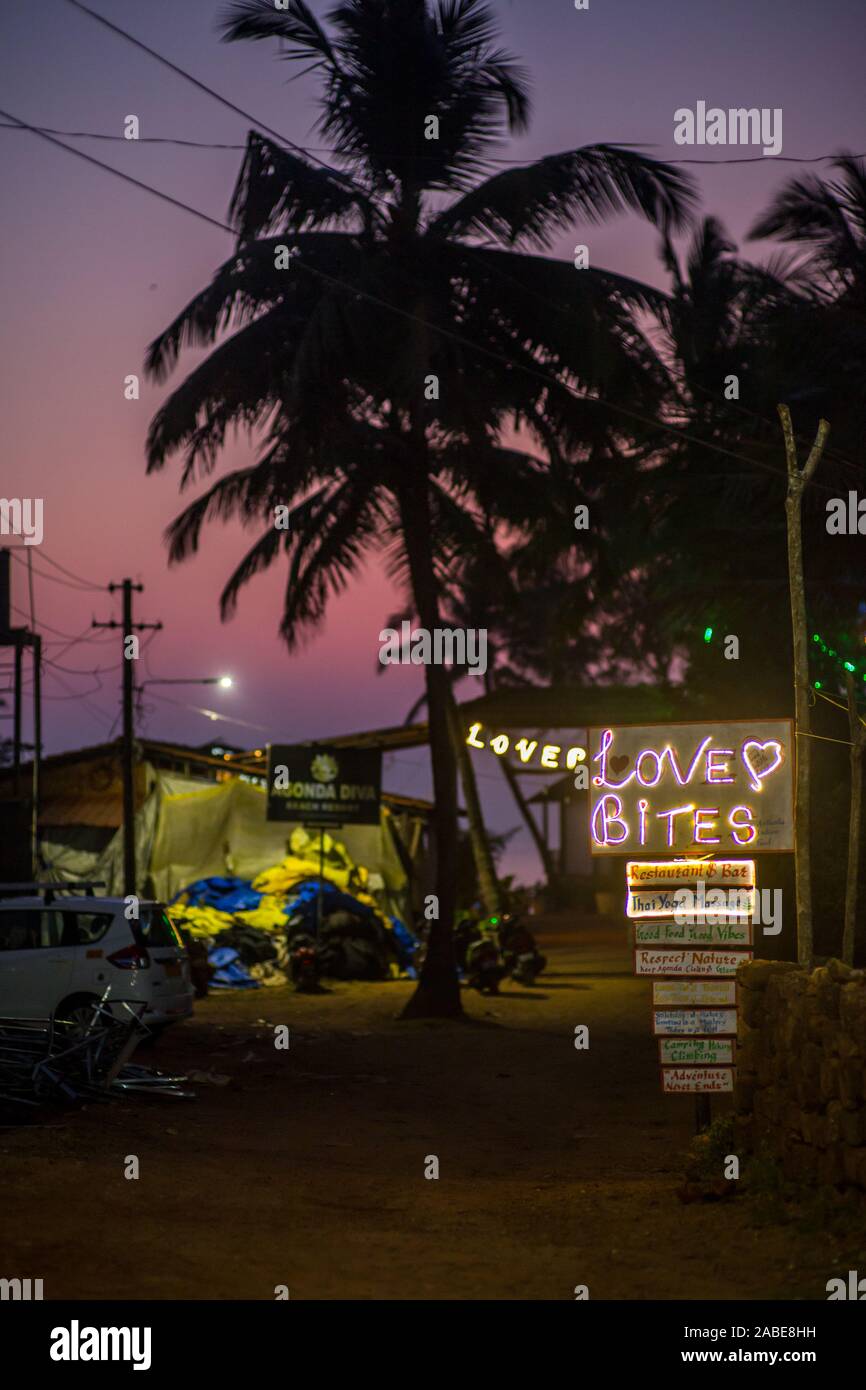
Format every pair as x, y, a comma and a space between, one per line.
186, 831
223, 830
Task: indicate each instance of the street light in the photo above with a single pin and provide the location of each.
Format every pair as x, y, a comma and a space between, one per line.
225, 681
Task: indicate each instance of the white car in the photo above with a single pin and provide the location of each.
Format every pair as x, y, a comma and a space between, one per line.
59, 953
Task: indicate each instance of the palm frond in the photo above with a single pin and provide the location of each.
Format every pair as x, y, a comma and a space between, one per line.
530, 204
278, 190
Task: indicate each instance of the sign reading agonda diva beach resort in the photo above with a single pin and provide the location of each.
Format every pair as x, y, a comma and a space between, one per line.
696, 788
324, 785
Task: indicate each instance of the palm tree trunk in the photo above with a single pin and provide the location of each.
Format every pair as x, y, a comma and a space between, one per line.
482, 854
438, 991
858, 742
797, 483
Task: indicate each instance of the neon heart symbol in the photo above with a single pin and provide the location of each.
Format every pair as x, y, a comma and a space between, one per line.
757, 764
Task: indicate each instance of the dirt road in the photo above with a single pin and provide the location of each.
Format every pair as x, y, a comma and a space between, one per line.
557, 1167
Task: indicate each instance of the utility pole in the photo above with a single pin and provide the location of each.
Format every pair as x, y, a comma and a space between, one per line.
128, 628
18, 638
797, 483
37, 753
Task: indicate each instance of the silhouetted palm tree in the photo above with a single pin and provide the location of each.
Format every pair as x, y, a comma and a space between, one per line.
382, 366
703, 541
822, 341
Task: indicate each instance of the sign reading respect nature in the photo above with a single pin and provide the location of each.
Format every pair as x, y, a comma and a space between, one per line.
324, 785
715, 961
703, 788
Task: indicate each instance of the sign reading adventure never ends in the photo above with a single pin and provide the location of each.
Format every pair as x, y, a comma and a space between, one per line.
324, 785
699, 788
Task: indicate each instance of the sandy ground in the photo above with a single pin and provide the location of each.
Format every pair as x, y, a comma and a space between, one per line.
557, 1167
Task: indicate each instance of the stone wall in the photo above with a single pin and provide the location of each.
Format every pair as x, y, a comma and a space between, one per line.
801, 1070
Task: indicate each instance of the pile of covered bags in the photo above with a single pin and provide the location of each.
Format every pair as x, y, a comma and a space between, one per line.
248, 929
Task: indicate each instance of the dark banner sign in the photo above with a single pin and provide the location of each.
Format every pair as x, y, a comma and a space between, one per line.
329, 786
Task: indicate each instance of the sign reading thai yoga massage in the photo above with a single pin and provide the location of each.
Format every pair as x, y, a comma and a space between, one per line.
324, 785
701, 788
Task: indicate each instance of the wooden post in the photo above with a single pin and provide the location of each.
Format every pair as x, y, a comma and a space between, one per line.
485, 866
858, 744
797, 484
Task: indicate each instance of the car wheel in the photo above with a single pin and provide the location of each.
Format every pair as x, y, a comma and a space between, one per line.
74, 1016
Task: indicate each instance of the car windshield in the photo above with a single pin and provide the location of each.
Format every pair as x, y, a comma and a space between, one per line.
157, 927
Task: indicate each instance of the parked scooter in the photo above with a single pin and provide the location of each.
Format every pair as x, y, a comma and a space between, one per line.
304, 964
521, 958
484, 968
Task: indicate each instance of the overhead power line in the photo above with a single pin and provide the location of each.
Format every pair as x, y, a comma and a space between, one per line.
477, 348
81, 586
212, 92
312, 150
308, 153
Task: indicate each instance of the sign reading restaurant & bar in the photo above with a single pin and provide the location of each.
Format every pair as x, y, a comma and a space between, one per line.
324, 785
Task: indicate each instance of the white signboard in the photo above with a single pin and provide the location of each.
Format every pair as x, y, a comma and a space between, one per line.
696, 993
673, 1022
674, 873
703, 788
715, 961
665, 933
701, 1079
712, 904
679, 1052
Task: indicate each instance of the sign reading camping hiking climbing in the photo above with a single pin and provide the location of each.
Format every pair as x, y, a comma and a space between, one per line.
330, 786
702, 788
712, 1052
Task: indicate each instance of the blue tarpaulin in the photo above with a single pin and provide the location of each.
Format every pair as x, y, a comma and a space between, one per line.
225, 894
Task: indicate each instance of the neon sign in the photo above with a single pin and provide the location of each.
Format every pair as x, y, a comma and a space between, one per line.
692, 787
525, 748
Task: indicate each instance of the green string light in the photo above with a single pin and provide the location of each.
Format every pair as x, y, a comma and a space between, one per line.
831, 652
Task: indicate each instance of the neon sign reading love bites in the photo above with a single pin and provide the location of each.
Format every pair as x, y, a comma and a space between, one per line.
703, 788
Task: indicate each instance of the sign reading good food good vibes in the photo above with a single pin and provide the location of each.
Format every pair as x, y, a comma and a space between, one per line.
703, 788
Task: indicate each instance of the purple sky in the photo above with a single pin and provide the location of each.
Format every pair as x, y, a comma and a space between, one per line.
92, 270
